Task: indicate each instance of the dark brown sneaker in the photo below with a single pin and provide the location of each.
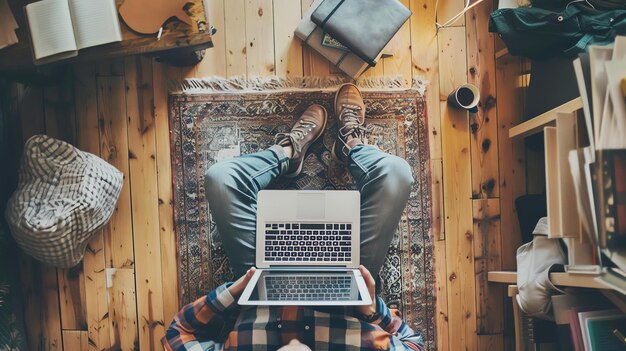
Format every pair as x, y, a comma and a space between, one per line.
350, 112
308, 128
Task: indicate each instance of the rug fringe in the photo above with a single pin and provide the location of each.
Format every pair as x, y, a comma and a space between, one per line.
242, 84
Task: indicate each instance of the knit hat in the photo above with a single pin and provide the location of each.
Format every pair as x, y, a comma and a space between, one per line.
64, 196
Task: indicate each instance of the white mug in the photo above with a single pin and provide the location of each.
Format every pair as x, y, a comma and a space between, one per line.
466, 97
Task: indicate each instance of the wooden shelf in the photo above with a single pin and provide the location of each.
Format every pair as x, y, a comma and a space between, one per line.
176, 37
507, 277
536, 124
560, 279
502, 53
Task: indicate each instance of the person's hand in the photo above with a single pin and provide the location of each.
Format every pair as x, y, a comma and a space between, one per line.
237, 288
368, 310
295, 345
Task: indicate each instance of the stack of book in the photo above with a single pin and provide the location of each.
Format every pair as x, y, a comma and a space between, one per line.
599, 170
588, 322
351, 34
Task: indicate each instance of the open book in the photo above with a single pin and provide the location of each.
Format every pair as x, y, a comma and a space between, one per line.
59, 28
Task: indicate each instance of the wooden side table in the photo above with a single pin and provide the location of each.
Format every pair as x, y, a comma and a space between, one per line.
178, 39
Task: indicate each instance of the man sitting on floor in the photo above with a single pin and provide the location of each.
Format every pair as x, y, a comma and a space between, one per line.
217, 322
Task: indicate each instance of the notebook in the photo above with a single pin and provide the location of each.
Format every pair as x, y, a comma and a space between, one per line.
364, 26
307, 250
59, 28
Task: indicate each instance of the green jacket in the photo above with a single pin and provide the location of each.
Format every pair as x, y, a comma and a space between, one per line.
539, 34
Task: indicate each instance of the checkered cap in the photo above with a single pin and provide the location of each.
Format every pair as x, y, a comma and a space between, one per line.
63, 197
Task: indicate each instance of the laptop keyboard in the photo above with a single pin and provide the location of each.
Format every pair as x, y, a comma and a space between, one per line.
308, 242
308, 288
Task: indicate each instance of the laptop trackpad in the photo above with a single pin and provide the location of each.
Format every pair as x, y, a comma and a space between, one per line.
311, 206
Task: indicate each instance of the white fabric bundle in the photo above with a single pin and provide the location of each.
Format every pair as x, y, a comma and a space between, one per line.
535, 260
64, 196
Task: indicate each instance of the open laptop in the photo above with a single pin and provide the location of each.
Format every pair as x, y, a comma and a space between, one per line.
307, 250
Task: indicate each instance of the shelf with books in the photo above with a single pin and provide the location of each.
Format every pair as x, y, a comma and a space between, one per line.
536, 124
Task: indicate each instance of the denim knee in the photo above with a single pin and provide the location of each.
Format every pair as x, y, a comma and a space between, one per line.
218, 174
398, 173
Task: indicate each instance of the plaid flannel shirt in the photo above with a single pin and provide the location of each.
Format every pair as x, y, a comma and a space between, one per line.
217, 322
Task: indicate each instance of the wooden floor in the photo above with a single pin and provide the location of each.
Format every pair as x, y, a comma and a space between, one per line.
125, 293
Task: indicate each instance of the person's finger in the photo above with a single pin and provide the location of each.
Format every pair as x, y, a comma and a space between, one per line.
238, 286
367, 276
249, 274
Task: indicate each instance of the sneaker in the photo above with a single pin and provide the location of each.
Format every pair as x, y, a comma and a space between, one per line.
350, 111
308, 128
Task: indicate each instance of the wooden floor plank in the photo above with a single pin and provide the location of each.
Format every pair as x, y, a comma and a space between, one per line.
169, 267
214, 61
59, 111
260, 38
375, 71
50, 313
487, 242
86, 105
288, 48
114, 67
122, 306
28, 108
448, 9
96, 299
31, 291
60, 116
235, 37
118, 233
75, 340
453, 67
484, 124
491, 342
425, 64
457, 195
511, 157
399, 64
31, 111
72, 298
459, 229
436, 179
145, 200
113, 136
314, 64
441, 308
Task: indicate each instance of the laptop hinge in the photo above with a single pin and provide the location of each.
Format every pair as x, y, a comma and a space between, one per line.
308, 268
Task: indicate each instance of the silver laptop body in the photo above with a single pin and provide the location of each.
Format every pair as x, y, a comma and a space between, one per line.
307, 250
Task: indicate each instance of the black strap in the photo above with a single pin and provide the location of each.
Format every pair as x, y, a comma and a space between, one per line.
331, 13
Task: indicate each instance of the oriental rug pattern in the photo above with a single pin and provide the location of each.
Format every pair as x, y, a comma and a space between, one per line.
209, 126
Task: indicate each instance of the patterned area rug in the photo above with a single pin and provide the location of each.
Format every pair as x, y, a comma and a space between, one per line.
209, 126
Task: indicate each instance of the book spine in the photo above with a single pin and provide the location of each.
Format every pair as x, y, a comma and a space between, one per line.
601, 193
617, 237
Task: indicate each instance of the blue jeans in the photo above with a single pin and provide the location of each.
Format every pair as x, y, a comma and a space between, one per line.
232, 186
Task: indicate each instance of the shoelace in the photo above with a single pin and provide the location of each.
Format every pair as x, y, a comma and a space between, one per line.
351, 125
297, 133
